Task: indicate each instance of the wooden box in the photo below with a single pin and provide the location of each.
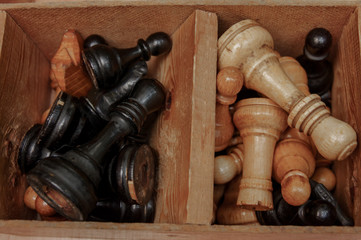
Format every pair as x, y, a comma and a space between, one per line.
184, 134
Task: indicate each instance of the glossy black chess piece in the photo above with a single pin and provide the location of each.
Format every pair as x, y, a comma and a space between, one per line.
319, 70
93, 40
115, 210
69, 182
105, 65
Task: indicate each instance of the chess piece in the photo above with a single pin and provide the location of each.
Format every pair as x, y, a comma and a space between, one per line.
229, 83
43, 208
319, 191
293, 165
122, 174
73, 121
114, 210
296, 73
260, 122
249, 46
106, 65
30, 198
93, 40
69, 182
226, 167
325, 176
231, 214
67, 62
315, 212
218, 192
319, 70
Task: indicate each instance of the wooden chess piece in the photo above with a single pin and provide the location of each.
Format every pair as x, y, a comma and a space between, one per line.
296, 73
293, 165
67, 62
226, 167
229, 213
218, 192
260, 122
115, 210
123, 174
319, 191
229, 83
43, 208
319, 71
249, 46
325, 176
93, 40
69, 182
30, 198
106, 65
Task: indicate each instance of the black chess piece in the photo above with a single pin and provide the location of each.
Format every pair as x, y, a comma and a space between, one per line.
93, 40
123, 173
105, 65
69, 182
73, 121
318, 68
115, 210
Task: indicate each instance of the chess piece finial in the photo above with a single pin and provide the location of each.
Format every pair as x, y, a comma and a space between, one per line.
106, 65
229, 83
93, 40
69, 182
293, 165
231, 214
325, 176
319, 71
30, 198
255, 57
260, 122
226, 167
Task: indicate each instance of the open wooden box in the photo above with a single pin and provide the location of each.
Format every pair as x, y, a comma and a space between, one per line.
184, 133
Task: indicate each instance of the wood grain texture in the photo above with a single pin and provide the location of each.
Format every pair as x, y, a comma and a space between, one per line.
24, 95
346, 100
17, 229
112, 19
184, 133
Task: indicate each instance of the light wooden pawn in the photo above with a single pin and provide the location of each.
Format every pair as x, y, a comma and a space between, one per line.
226, 167
260, 122
293, 165
231, 214
229, 83
249, 46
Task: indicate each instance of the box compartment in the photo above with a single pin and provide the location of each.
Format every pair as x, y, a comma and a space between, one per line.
184, 132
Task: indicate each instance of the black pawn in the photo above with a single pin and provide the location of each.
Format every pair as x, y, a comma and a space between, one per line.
93, 40
319, 70
105, 65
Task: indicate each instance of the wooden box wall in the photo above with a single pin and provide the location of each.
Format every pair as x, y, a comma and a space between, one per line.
184, 135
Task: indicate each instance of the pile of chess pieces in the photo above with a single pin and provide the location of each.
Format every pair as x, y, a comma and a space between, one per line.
275, 137
88, 158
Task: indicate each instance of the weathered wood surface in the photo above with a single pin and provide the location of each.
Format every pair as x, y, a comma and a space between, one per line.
18, 229
184, 132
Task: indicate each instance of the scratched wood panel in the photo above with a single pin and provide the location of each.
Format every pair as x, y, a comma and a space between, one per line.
184, 133
24, 94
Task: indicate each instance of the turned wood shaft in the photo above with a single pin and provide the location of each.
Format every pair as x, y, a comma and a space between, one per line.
249, 46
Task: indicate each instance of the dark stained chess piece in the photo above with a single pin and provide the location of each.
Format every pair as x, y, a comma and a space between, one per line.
69, 182
73, 121
312, 213
121, 175
115, 210
319, 70
106, 65
93, 40
319, 191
